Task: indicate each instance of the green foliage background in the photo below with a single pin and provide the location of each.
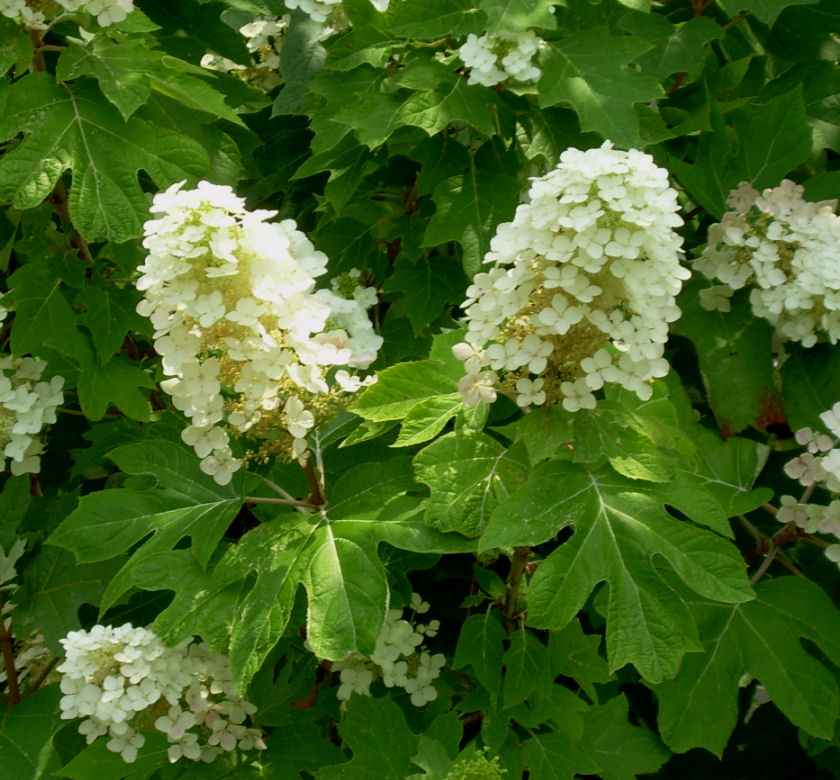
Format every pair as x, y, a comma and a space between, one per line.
591, 572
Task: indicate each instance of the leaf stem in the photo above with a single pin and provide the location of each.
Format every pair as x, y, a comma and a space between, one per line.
316, 488
765, 564
277, 489
514, 579
7, 650
39, 681
267, 500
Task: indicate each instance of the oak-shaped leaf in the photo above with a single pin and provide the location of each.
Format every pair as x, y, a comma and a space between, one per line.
623, 536
762, 638
184, 502
382, 744
623, 751
26, 736
74, 127
590, 72
469, 474
333, 554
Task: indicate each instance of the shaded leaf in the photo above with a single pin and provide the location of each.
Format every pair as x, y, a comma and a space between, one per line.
26, 732
736, 361
376, 731
590, 72
622, 750
620, 539
699, 707
480, 646
769, 141
52, 588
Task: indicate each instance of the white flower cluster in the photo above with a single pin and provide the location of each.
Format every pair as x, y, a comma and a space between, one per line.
786, 248
582, 287
820, 465
263, 37
26, 406
125, 680
399, 659
31, 14
319, 10
248, 343
31, 657
496, 57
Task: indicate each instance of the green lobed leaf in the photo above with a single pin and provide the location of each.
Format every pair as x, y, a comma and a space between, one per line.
442, 97
382, 744
699, 707
810, 384
430, 19
575, 654
52, 588
526, 667
400, 388
118, 382
468, 474
554, 756
425, 287
71, 127
301, 57
203, 603
96, 761
556, 494
334, 554
736, 361
43, 316
676, 49
590, 72
109, 314
622, 534
766, 11
480, 646
26, 732
518, 15
769, 141
470, 206
728, 470
347, 595
185, 502
622, 750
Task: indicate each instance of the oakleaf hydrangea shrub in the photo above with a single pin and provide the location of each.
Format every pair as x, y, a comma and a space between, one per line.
819, 466
582, 286
400, 659
496, 57
125, 682
785, 249
249, 345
